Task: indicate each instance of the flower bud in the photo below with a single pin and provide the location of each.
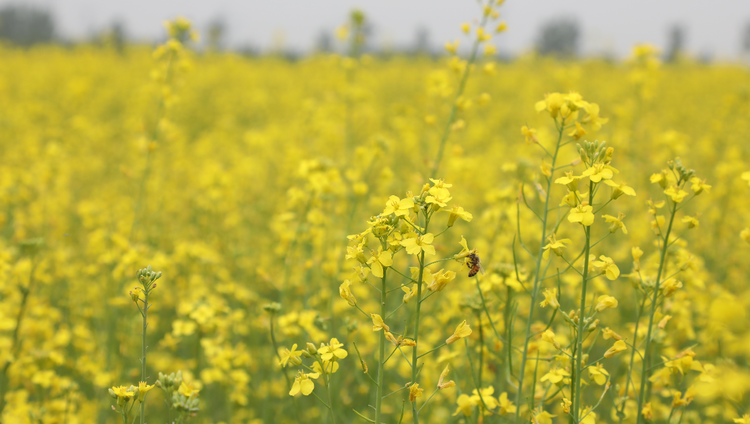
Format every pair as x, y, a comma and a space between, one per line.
272, 308
584, 156
311, 349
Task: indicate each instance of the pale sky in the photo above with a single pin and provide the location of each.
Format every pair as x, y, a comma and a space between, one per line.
713, 27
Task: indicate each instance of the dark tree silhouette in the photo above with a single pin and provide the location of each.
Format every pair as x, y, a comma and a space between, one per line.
559, 38
26, 25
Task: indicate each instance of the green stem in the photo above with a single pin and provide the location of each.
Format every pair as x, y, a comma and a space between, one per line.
414, 355
454, 107
14, 343
286, 376
582, 318
146, 293
620, 413
537, 280
646, 353
381, 348
328, 390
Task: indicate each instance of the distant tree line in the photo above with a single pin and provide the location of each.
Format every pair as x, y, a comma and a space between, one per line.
26, 25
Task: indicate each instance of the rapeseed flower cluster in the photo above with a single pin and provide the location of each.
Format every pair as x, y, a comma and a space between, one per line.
575, 255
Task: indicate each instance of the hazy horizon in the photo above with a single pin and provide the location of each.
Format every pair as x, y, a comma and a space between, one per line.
606, 27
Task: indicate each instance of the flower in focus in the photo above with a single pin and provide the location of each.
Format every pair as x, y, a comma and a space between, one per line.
599, 172
143, 388
399, 207
333, 350
292, 355
303, 383
583, 214
419, 244
379, 261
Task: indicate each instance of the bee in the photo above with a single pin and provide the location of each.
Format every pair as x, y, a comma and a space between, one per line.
474, 264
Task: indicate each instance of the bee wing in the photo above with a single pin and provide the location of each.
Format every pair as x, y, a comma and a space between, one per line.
481, 268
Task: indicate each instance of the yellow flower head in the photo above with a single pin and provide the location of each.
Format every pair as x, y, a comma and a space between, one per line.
676, 193
555, 246
699, 186
438, 197
440, 280
582, 213
378, 324
555, 375
616, 222
303, 383
123, 392
607, 265
379, 261
445, 385
691, 221
465, 404
409, 293
346, 293
599, 172
543, 417
483, 397
609, 334
418, 244
506, 406
292, 356
458, 212
529, 134
577, 132
618, 189
550, 298
333, 350
569, 180
398, 207
143, 388
463, 330
619, 346
605, 302
598, 374
549, 337
415, 392
187, 390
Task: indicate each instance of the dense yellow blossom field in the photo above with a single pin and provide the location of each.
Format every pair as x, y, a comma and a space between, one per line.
532, 241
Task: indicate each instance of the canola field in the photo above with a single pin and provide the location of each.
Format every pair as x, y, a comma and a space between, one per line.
211, 238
